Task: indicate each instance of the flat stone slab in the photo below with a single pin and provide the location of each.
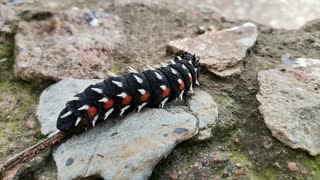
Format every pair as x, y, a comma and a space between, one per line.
127, 147
220, 51
290, 104
75, 43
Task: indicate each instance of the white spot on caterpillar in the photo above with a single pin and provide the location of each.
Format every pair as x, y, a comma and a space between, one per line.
163, 102
97, 90
119, 84
190, 62
78, 120
191, 89
164, 64
181, 95
95, 120
172, 61
142, 91
195, 69
173, 71
197, 83
131, 69
158, 75
180, 81
139, 80
111, 74
104, 100
141, 106
74, 98
179, 58
163, 87
107, 114
184, 67
150, 67
66, 114
124, 109
189, 74
123, 95
84, 107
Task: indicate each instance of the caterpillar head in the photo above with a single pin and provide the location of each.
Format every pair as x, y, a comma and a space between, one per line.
192, 59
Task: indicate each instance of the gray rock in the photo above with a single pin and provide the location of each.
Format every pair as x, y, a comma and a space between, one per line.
74, 43
128, 147
204, 107
220, 51
203, 135
290, 104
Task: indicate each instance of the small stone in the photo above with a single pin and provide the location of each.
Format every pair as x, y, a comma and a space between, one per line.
219, 157
238, 165
174, 176
292, 166
31, 123
205, 108
220, 51
204, 135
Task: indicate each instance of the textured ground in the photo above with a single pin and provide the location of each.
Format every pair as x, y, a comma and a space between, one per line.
242, 146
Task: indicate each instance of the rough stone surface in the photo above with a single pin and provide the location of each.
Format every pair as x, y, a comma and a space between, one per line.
290, 104
73, 43
205, 108
221, 51
275, 13
126, 150
128, 147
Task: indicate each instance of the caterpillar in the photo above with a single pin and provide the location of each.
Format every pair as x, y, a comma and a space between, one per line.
118, 95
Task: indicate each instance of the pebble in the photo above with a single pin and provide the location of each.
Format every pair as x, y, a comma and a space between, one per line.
292, 166
219, 157
174, 176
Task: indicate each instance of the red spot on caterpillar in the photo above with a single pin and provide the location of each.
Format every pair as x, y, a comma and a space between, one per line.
190, 79
166, 92
127, 100
109, 104
92, 111
181, 87
144, 97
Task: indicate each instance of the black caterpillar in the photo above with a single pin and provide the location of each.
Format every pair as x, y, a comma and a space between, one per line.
117, 95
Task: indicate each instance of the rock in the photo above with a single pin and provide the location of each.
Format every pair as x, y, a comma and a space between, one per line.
204, 134
220, 51
6, 13
74, 43
238, 165
290, 105
174, 176
292, 166
125, 148
204, 107
31, 123
128, 149
219, 157
274, 13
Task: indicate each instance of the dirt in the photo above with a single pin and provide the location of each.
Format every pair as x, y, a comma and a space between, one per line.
240, 131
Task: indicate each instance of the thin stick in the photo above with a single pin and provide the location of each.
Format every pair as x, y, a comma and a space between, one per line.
31, 152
